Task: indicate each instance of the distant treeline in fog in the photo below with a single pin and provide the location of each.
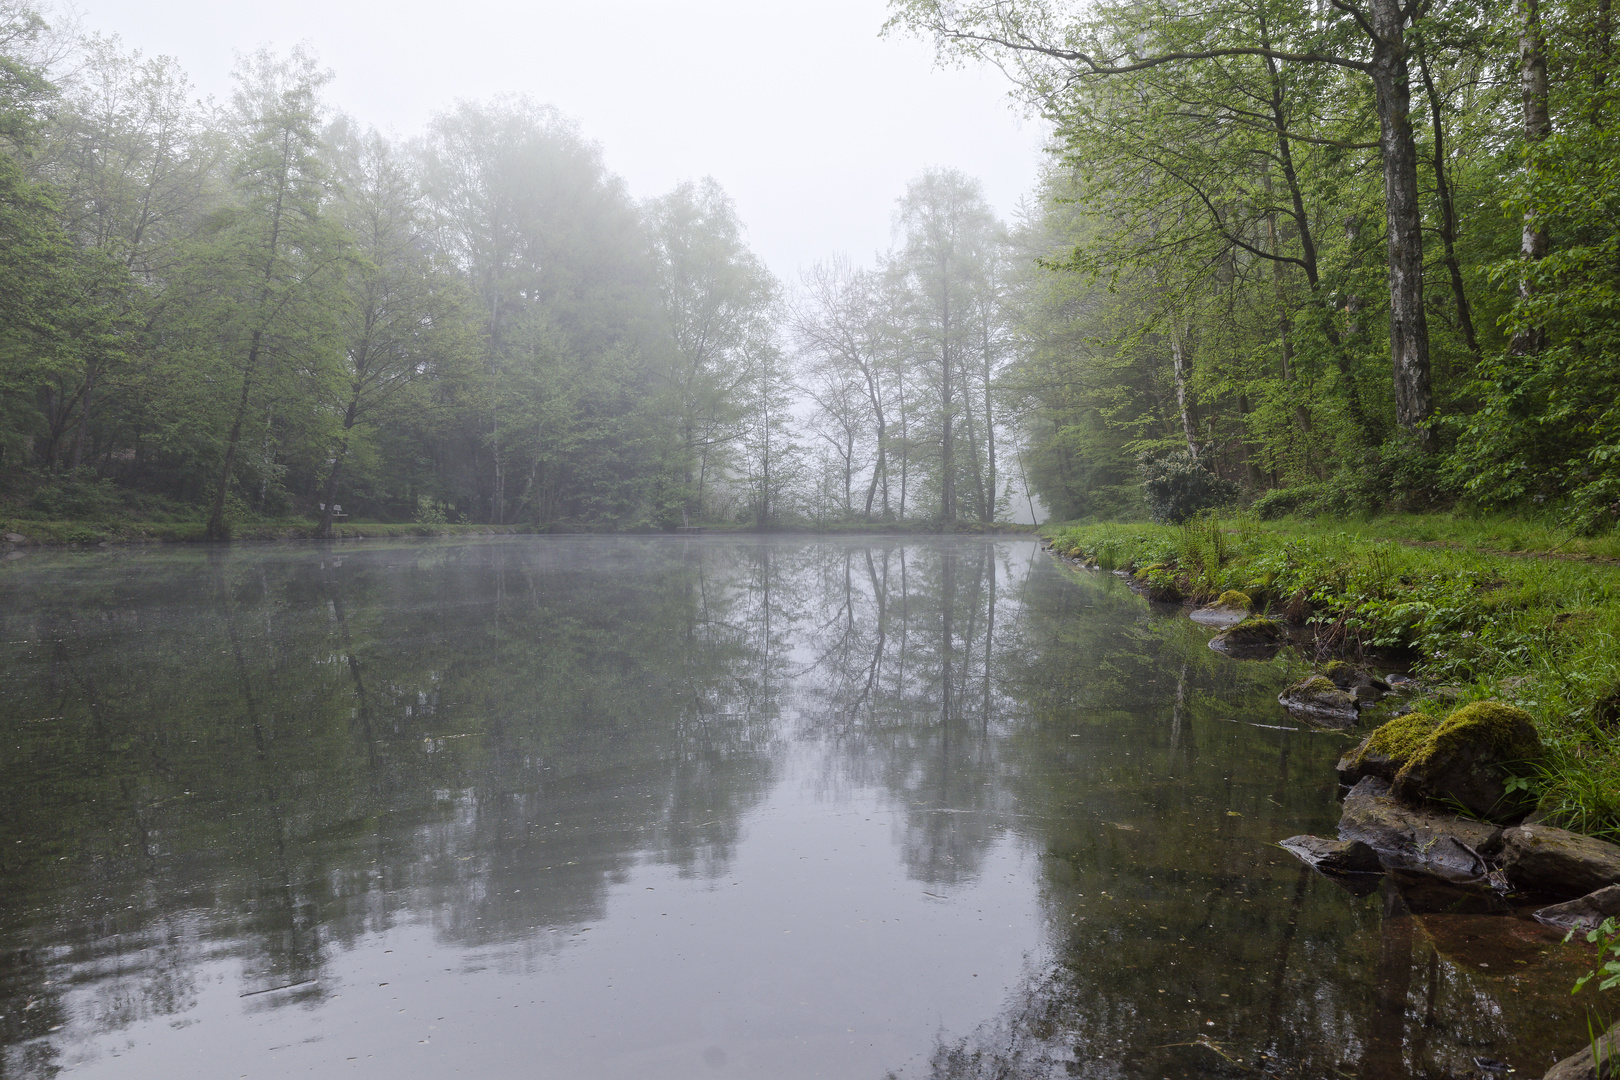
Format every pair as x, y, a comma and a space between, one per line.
263, 309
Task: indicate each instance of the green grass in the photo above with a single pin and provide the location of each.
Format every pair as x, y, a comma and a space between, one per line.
1541, 633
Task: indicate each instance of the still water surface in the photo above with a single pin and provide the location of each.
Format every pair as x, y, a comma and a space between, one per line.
615, 807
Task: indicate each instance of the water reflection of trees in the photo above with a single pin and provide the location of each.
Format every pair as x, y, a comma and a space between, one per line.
903, 688
1151, 772
265, 756
260, 757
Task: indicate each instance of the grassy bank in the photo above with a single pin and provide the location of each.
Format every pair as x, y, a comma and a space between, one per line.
1472, 619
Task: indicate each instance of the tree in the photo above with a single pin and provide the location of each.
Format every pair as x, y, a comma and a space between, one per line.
948, 230
1056, 60
273, 265
407, 320
718, 301
846, 340
555, 253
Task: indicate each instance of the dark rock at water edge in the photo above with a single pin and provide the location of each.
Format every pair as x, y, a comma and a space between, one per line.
1364, 684
1418, 839
1335, 856
1584, 1066
1318, 699
1468, 758
1586, 913
1556, 862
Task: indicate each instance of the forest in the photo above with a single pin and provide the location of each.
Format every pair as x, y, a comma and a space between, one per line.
1320, 258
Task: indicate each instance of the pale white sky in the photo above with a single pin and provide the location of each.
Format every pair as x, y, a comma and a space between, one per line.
804, 114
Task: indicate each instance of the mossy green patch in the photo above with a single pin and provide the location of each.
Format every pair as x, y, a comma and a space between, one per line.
1316, 684
1402, 737
1509, 732
1231, 598
1338, 669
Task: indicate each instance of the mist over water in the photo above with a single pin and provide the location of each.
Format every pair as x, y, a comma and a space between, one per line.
707, 807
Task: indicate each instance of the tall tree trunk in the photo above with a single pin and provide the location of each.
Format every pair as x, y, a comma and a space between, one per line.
1408, 324
1182, 364
878, 468
947, 446
1448, 211
1528, 340
989, 433
968, 413
905, 448
79, 437
339, 453
216, 529
1308, 259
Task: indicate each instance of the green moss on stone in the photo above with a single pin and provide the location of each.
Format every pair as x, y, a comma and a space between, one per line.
1231, 598
1317, 684
1399, 739
1508, 731
1338, 669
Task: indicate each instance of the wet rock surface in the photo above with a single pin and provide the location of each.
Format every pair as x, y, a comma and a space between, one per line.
1417, 839
1468, 760
1584, 1066
1585, 913
1335, 856
1318, 699
1556, 862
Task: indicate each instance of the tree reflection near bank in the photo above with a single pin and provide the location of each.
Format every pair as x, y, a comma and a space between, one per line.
263, 757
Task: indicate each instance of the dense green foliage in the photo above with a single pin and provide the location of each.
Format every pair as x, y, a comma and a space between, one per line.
263, 311
1363, 253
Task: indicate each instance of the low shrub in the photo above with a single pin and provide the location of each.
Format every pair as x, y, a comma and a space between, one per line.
1178, 487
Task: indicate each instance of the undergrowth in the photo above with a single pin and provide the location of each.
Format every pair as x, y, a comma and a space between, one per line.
1541, 633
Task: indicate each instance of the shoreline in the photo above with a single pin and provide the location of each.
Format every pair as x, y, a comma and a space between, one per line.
1550, 859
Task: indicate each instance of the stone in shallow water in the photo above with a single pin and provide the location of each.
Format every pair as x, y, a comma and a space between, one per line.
1231, 609
1422, 840
1335, 856
1319, 700
1556, 862
1586, 913
1252, 637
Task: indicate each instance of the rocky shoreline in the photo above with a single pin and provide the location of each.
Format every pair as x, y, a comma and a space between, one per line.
1432, 805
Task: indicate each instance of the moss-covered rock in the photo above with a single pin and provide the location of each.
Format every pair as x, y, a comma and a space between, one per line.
1257, 630
1466, 760
1384, 751
1317, 699
1254, 635
1229, 609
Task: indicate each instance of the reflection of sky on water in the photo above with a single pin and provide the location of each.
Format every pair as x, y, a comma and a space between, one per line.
639, 807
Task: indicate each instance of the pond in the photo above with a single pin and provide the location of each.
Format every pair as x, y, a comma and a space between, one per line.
704, 807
